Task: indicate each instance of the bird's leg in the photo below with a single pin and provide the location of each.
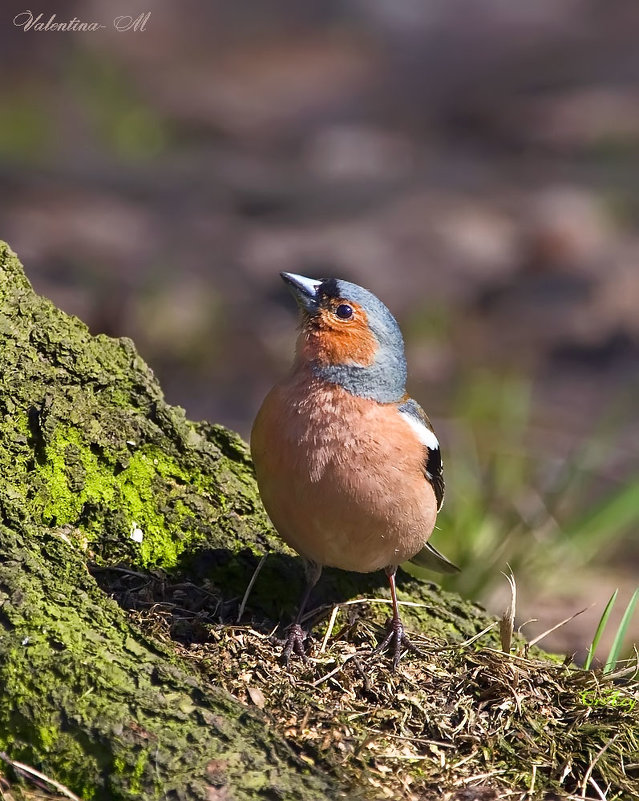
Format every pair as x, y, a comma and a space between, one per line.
396, 637
296, 636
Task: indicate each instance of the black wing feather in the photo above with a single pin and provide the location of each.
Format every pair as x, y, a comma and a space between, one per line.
434, 471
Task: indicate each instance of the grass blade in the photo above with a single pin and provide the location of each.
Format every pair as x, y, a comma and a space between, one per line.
600, 629
617, 644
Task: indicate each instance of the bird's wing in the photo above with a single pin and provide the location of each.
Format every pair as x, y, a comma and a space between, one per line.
416, 418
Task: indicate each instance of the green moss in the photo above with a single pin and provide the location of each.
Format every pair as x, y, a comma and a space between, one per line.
60, 503
138, 772
48, 736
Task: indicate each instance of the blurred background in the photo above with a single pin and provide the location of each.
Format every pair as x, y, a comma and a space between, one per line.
475, 165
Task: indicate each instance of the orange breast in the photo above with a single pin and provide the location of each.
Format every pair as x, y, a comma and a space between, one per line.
341, 477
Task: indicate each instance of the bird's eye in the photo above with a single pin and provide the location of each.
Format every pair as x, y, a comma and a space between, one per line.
344, 311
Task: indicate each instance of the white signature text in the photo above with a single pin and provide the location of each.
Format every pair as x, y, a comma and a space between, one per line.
29, 21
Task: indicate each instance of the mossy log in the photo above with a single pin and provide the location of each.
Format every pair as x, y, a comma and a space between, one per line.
102, 478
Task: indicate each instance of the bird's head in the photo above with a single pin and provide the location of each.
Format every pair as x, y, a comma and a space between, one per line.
349, 337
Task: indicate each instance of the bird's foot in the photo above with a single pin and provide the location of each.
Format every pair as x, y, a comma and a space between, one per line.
294, 644
395, 640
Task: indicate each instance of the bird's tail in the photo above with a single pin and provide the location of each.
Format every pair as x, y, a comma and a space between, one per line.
432, 559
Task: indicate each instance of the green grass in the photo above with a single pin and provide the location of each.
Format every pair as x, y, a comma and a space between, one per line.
620, 634
603, 620
614, 661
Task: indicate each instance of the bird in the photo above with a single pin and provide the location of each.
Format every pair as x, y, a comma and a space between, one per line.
348, 465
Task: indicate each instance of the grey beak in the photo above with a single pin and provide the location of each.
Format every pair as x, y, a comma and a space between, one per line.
304, 290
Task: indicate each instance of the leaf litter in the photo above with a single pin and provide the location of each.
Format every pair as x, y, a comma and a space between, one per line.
458, 722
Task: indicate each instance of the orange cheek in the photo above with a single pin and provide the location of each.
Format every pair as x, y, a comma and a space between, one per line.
331, 342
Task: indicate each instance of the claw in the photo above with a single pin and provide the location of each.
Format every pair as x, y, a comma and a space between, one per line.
294, 644
395, 640
295, 639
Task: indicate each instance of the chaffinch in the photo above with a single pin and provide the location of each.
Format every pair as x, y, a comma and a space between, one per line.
348, 465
